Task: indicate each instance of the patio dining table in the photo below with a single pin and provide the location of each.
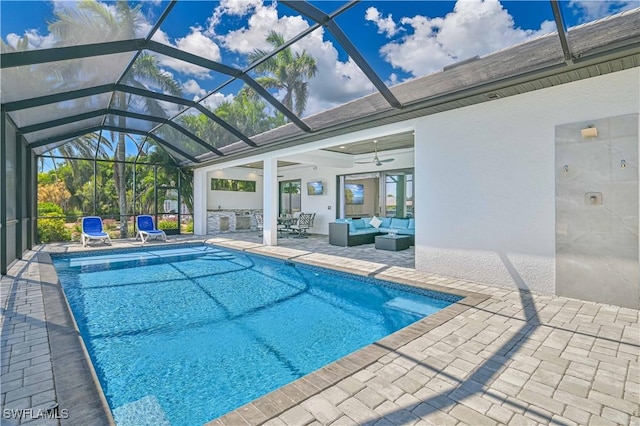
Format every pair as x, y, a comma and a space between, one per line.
287, 222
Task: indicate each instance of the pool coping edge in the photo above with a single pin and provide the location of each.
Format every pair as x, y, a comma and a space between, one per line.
76, 383
292, 394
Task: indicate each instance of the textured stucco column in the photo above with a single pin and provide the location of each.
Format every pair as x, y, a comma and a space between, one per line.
270, 201
200, 202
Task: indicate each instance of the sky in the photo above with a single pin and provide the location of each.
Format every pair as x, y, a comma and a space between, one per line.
400, 39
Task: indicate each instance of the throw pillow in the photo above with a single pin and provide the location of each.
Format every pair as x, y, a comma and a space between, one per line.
375, 222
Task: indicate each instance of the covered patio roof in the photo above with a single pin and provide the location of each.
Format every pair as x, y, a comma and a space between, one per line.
55, 95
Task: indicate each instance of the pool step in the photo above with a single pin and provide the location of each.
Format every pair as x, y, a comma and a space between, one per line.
409, 306
143, 412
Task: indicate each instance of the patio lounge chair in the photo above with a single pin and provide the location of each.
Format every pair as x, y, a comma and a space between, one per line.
305, 221
146, 229
92, 230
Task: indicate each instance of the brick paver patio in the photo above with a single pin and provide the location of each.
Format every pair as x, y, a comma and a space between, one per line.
498, 357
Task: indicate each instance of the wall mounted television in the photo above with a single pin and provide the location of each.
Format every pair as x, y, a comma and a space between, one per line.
315, 188
353, 193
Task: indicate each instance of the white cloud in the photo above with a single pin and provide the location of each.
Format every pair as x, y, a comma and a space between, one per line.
35, 39
170, 108
216, 99
385, 25
197, 43
335, 81
193, 88
143, 28
591, 9
474, 27
263, 20
231, 8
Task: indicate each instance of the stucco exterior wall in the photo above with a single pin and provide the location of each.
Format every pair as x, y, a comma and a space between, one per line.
485, 191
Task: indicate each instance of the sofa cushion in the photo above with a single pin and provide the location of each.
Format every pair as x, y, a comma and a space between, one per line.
412, 224
401, 231
386, 222
359, 223
363, 231
399, 223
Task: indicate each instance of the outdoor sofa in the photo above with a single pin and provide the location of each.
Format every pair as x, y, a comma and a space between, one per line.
353, 232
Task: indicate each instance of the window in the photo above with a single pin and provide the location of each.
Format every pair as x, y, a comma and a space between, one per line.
359, 195
290, 196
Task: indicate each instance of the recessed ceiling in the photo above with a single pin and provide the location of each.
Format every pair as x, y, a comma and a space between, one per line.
385, 143
258, 164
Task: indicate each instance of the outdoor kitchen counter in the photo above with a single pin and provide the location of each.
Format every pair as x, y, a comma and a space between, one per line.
231, 220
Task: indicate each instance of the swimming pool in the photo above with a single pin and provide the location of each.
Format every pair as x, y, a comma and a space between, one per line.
183, 335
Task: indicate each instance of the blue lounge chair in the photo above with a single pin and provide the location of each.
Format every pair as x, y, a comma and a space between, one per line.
146, 229
92, 230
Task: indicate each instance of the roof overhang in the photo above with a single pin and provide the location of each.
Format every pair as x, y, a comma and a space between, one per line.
605, 46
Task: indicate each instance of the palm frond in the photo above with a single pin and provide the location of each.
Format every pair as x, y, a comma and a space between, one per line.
286, 71
301, 93
147, 69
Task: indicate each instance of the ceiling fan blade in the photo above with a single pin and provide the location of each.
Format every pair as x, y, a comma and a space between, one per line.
375, 160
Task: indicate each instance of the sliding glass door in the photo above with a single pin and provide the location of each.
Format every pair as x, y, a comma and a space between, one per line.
384, 194
398, 194
290, 196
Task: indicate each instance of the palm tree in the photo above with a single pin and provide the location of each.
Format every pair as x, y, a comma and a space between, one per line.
286, 71
160, 156
86, 146
92, 21
291, 188
144, 70
245, 113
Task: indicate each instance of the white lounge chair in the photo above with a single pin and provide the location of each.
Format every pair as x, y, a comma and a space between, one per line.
92, 230
146, 229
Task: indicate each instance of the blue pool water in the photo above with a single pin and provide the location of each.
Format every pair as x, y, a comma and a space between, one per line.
183, 335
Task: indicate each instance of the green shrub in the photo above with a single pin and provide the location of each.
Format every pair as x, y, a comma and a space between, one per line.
167, 224
110, 225
51, 229
73, 215
45, 208
188, 228
76, 230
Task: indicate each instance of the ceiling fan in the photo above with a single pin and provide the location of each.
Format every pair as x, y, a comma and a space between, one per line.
375, 160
